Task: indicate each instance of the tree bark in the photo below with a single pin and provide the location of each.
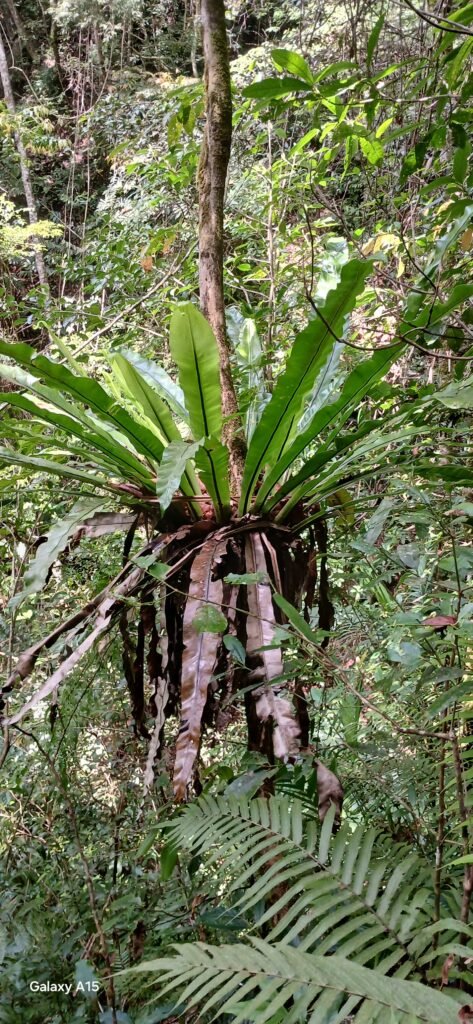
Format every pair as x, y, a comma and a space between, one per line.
213, 166
24, 39
24, 167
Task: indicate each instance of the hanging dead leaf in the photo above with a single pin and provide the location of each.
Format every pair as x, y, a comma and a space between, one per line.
447, 964
147, 263
285, 727
103, 623
329, 790
261, 621
199, 657
466, 239
266, 661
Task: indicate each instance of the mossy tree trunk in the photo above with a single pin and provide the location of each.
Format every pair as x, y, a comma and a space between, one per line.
213, 167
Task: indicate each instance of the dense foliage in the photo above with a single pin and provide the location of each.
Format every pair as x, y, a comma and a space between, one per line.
237, 715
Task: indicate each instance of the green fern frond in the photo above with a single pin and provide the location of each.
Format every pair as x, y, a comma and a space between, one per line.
327, 895
254, 982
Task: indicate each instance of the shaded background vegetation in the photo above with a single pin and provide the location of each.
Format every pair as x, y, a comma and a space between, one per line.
373, 158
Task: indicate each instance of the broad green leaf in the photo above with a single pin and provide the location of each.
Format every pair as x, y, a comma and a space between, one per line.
113, 450
147, 843
212, 465
209, 619
157, 378
248, 784
148, 401
323, 473
372, 149
194, 349
172, 469
246, 578
308, 355
357, 384
11, 458
457, 396
350, 711
159, 571
90, 392
86, 980
57, 539
293, 63
275, 88
249, 354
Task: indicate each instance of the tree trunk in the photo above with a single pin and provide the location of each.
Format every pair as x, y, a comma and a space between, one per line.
24, 39
213, 166
24, 168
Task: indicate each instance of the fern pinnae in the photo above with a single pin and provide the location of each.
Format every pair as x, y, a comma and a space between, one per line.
399, 873
303, 920
364, 859
352, 851
289, 867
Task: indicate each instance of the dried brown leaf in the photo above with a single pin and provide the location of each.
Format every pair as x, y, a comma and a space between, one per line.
286, 729
199, 658
102, 624
329, 790
261, 621
260, 634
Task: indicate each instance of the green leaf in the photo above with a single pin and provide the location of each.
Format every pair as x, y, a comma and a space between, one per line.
212, 465
89, 392
449, 697
57, 539
171, 470
275, 88
373, 39
372, 149
168, 861
158, 379
248, 784
350, 710
147, 843
12, 458
113, 451
159, 571
323, 473
86, 980
235, 648
273, 973
293, 63
144, 561
407, 654
209, 619
194, 349
246, 578
136, 388
457, 396
308, 355
295, 618
357, 384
